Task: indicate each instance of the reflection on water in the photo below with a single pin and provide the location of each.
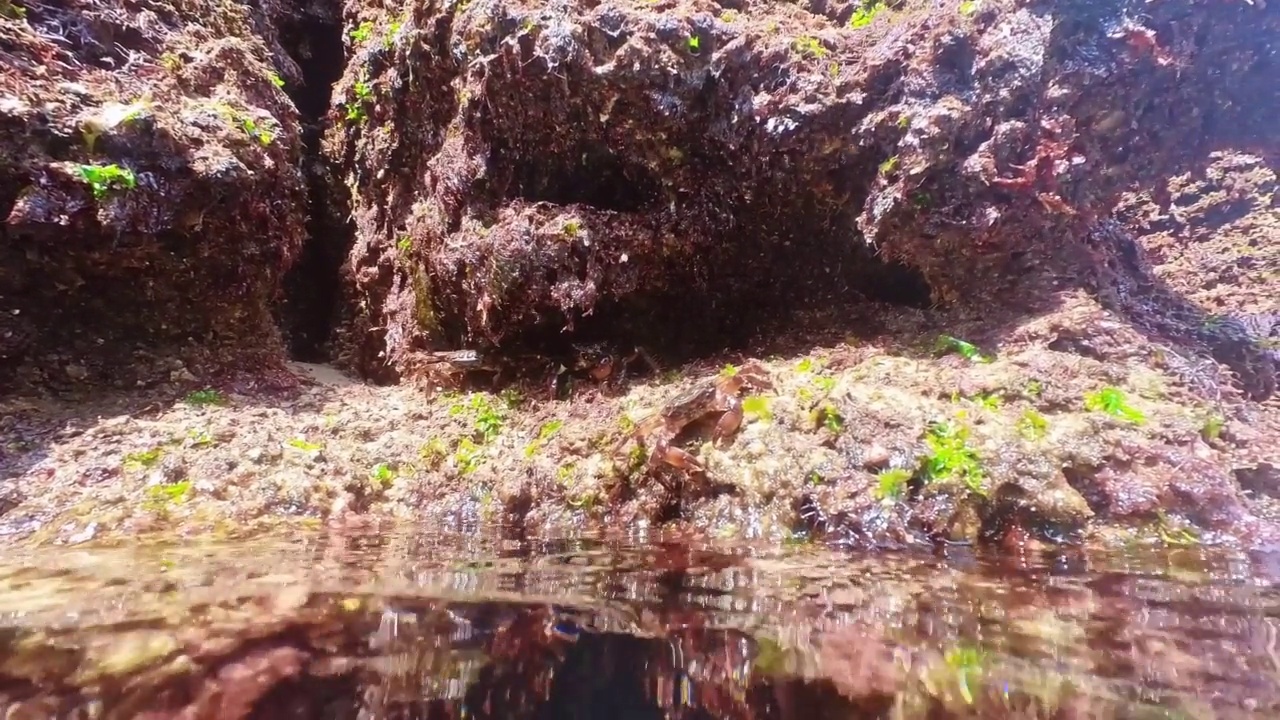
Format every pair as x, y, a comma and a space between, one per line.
404, 626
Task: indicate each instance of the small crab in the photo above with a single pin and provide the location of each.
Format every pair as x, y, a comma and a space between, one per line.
720, 396
600, 364
450, 368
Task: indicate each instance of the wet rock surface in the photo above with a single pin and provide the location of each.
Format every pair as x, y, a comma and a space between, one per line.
1008, 272
1004, 294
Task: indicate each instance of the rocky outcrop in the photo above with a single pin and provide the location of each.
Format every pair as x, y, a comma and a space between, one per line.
150, 189
680, 173
519, 177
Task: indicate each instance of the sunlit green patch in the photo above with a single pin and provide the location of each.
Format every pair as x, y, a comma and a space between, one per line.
143, 459
966, 664
810, 46
951, 458
205, 397
545, 433
756, 407
1032, 425
865, 13
432, 453
382, 474
159, 498
891, 485
362, 32
362, 91
487, 417
967, 350
200, 438
467, 456
102, 179
1112, 401
303, 445
830, 418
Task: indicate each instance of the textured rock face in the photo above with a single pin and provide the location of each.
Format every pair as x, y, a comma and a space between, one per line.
683, 175
150, 193
1083, 190
679, 173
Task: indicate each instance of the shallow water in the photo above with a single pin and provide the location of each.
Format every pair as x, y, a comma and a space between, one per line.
395, 625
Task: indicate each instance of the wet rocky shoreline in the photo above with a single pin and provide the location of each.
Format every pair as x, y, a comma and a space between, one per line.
1000, 297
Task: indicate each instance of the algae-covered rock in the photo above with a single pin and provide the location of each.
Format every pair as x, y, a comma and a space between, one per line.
678, 174
1008, 263
150, 193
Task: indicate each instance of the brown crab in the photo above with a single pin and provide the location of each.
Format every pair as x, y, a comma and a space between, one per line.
448, 368
720, 396
600, 364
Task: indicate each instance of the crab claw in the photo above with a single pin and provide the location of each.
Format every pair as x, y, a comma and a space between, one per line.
729, 422
751, 374
675, 457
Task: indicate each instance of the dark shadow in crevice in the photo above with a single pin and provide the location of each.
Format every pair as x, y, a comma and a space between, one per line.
756, 290
590, 175
312, 288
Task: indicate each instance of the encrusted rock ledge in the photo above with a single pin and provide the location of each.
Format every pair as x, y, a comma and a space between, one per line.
1009, 267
